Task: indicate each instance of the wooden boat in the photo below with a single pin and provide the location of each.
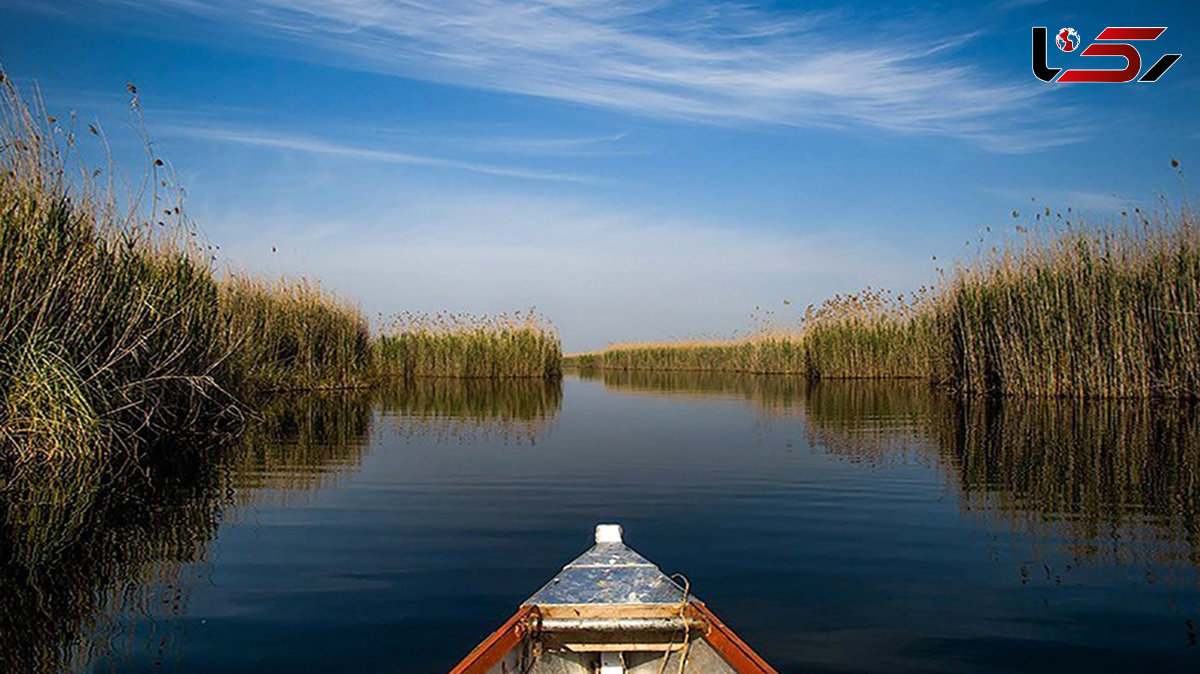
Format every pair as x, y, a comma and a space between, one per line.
612, 611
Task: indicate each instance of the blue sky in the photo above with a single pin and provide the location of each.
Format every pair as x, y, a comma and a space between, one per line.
632, 170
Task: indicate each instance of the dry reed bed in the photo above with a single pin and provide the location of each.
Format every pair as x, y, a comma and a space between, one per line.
769, 353
293, 335
1105, 311
867, 335
115, 325
522, 345
117, 328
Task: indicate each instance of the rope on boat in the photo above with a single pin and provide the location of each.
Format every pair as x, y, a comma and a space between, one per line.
687, 628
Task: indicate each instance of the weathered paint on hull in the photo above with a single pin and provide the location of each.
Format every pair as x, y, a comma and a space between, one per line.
611, 610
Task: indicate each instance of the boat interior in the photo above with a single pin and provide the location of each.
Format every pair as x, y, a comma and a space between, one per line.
612, 611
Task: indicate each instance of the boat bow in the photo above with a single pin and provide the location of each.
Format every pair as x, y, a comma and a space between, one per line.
613, 611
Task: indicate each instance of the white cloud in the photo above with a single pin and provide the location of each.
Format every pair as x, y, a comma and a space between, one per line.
696, 61
320, 146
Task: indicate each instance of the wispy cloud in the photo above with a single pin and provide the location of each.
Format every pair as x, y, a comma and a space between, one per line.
698, 61
313, 145
583, 146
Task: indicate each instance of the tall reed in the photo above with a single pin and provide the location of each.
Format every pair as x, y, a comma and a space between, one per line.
1088, 311
110, 308
1107, 310
292, 335
115, 328
522, 345
869, 335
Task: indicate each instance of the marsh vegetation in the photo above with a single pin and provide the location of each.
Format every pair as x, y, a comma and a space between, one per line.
1080, 309
119, 329
292, 335
521, 345
146, 393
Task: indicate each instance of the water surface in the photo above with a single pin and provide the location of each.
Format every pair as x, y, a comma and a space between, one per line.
840, 527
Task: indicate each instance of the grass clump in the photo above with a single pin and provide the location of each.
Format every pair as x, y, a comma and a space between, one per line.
293, 335
592, 360
464, 346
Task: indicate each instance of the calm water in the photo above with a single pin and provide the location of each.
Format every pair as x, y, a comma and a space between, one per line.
838, 527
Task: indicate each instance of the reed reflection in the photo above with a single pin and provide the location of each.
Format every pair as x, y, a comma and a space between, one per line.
302, 442
452, 411
88, 543
872, 422
66, 570
1111, 480
1114, 479
770, 392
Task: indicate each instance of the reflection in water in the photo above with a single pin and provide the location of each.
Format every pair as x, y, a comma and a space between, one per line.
1112, 482
872, 422
1119, 479
81, 546
771, 392
301, 441
462, 410
1111, 478
118, 551
860, 420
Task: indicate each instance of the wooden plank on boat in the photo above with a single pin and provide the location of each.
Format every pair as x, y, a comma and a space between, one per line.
729, 645
493, 649
613, 611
